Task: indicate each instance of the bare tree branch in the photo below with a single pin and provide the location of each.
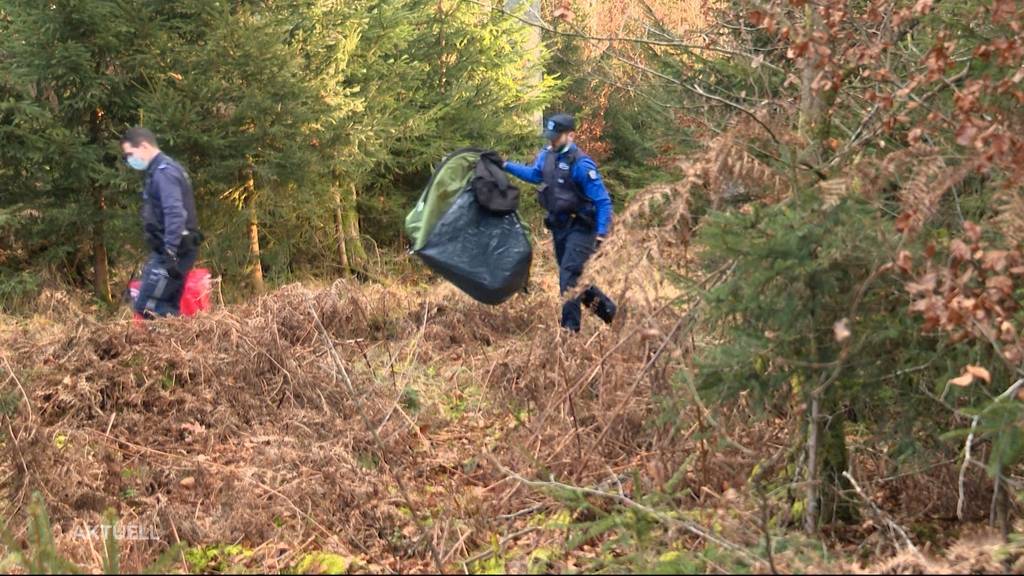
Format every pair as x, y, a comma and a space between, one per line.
895, 528
1009, 393
624, 39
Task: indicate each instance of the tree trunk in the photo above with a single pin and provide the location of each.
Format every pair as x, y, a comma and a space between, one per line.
353, 238
813, 123
442, 79
341, 234
256, 265
835, 505
827, 459
101, 270
813, 478
256, 268
535, 45
1000, 515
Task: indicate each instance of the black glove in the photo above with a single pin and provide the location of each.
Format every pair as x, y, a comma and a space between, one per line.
171, 261
494, 157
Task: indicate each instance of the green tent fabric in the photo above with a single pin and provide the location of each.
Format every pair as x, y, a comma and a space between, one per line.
485, 253
449, 180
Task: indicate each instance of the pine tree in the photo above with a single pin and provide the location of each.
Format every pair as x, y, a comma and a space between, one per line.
69, 73
235, 105
342, 44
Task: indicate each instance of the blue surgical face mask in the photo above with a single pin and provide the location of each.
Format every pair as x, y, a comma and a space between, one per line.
137, 163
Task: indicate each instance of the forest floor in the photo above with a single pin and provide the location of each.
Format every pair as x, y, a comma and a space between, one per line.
405, 428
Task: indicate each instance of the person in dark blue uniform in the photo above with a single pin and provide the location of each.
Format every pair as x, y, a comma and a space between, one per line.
169, 223
579, 213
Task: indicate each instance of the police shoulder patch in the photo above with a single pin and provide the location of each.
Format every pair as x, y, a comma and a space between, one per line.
592, 174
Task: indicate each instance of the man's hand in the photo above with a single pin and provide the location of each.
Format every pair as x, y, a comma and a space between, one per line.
171, 259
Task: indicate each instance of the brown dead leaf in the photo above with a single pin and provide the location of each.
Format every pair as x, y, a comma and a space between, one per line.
904, 221
962, 381
841, 330
904, 262
652, 334
1013, 354
1004, 10
923, 6
966, 134
959, 250
973, 231
756, 17
187, 482
1007, 333
564, 14
995, 260
924, 285
963, 304
979, 372
1002, 283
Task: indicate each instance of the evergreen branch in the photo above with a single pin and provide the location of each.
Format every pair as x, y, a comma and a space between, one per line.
697, 90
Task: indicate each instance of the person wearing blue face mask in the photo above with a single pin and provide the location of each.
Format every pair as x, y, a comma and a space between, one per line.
579, 213
169, 223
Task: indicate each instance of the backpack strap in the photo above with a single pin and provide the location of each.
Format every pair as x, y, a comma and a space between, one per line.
570, 158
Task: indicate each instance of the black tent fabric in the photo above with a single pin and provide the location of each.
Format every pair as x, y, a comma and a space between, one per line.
485, 254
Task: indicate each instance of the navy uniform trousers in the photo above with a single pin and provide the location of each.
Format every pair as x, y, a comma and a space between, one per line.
159, 293
574, 245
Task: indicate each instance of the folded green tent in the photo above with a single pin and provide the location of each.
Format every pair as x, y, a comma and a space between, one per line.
485, 254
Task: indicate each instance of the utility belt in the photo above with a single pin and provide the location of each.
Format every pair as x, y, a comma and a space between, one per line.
190, 241
568, 220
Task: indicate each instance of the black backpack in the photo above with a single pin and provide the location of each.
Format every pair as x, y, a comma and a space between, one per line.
491, 186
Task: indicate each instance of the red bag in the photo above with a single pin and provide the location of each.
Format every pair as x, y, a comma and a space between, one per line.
195, 298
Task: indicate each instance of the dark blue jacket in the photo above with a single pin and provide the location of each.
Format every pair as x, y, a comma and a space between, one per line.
168, 204
584, 174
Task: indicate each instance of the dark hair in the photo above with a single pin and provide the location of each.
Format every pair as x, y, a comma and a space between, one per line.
137, 135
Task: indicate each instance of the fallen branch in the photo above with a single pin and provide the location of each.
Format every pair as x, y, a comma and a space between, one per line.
884, 518
691, 527
28, 403
499, 548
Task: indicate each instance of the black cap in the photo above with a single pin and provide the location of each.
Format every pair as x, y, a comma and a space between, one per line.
558, 124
